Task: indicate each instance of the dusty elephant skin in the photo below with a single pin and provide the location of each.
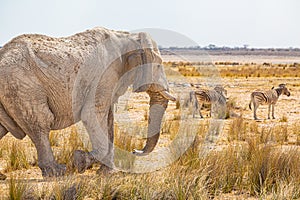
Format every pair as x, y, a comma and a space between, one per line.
51, 83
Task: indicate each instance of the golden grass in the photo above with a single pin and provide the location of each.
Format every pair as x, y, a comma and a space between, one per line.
254, 161
17, 158
19, 190
259, 71
233, 69
237, 130
296, 131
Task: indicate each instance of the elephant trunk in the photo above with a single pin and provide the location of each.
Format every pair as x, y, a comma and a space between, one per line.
158, 105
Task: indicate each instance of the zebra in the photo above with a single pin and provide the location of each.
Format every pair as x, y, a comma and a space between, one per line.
269, 97
215, 97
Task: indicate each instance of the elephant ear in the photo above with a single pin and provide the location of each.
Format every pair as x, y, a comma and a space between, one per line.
150, 48
150, 72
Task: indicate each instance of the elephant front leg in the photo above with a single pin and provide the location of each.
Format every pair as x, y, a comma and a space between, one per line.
96, 124
108, 161
46, 161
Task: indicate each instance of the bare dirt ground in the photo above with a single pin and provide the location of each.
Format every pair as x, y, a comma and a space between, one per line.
133, 109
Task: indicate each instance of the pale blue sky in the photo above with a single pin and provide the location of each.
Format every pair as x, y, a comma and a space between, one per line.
259, 23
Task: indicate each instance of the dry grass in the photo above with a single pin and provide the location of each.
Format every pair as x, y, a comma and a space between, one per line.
251, 160
19, 190
17, 158
283, 119
296, 131
233, 69
68, 146
237, 130
259, 71
252, 168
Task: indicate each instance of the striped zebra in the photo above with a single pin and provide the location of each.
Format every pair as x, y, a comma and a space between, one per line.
215, 97
269, 97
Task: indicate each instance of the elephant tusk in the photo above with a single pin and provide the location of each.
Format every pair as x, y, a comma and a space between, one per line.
139, 152
167, 95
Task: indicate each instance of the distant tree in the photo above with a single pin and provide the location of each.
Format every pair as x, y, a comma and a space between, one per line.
212, 46
246, 46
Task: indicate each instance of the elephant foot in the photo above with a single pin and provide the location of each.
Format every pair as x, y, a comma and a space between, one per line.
2, 176
104, 170
53, 170
82, 160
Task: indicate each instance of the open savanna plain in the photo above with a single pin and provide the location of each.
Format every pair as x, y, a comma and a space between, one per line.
232, 158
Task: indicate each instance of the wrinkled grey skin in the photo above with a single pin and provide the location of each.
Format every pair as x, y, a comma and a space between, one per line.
51, 83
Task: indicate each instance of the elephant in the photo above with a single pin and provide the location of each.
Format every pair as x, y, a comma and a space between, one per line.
49, 83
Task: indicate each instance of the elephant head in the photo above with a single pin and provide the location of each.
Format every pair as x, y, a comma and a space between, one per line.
146, 73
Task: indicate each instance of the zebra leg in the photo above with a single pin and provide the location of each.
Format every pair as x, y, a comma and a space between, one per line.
200, 106
269, 111
273, 105
195, 105
254, 110
194, 109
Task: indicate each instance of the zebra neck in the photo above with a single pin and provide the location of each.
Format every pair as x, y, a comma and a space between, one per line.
279, 91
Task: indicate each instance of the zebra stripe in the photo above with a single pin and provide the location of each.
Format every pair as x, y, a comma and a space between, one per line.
214, 97
269, 97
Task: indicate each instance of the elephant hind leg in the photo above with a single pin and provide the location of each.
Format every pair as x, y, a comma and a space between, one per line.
39, 134
3, 131
36, 121
7, 124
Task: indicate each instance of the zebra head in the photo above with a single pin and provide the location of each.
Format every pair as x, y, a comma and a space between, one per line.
220, 89
284, 89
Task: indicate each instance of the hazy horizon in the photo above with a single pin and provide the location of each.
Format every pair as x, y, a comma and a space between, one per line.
232, 23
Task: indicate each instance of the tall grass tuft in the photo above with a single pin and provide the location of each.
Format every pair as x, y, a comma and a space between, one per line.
237, 130
54, 138
283, 119
20, 190
17, 158
68, 190
73, 143
296, 131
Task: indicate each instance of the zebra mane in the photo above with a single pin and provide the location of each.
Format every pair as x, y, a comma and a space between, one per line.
279, 91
